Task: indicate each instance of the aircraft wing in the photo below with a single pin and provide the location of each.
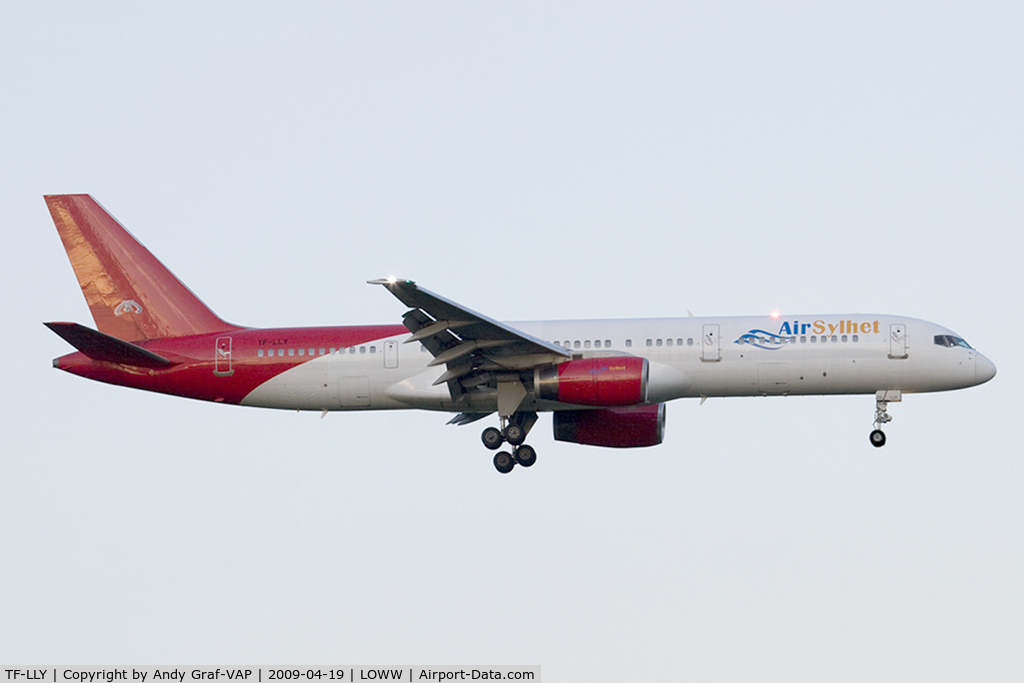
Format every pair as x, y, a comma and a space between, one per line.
474, 348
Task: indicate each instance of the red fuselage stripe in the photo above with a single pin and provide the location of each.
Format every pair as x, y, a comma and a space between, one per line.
209, 368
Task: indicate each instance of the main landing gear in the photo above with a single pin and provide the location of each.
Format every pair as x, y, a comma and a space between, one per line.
513, 431
882, 399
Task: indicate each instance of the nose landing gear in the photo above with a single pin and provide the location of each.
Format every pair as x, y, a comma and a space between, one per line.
882, 399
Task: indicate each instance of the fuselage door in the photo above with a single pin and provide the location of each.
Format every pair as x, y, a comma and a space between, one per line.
391, 354
711, 348
222, 357
897, 340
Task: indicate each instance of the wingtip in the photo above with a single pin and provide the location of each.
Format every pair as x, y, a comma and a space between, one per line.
387, 281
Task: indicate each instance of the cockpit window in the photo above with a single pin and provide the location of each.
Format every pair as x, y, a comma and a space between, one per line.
950, 340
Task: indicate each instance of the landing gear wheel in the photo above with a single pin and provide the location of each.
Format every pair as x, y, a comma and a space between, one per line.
877, 438
515, 434
492, 438
503, 462
526, 456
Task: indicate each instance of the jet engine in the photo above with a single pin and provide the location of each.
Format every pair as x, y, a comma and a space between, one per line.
631, 427
615, 381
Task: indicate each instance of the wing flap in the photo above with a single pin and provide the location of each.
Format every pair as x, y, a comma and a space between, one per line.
436, 328
467, 418
474, 348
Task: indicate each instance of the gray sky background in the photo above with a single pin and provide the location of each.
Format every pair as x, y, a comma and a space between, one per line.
531, 161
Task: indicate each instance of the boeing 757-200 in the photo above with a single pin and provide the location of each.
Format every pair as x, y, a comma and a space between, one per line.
605, 382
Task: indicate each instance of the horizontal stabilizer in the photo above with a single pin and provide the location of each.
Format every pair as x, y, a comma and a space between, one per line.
99, 346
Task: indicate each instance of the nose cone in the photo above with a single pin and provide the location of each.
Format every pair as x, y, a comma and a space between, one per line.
984, 369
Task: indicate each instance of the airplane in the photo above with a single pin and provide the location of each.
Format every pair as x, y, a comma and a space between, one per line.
606, 382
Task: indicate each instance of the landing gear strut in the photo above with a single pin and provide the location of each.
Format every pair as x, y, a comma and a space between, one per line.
513, 431
882, 399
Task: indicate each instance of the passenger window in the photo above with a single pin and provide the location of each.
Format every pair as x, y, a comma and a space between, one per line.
362, 349
856, 339
844, 338
333, 349
576, 344
814, 340
280, 352
351, 349
679, 342
607, 343
373, 349
668, 342
834, 339
650, 342
629, 343
803, 340
302, 352
586, 344
659, 342
689, 341
291, 352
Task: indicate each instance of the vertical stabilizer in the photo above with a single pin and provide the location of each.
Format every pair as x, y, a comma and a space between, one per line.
132, 296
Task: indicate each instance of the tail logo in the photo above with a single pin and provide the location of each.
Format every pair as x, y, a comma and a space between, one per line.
128, 306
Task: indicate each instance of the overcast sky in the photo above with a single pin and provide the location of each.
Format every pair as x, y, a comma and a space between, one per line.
530, 161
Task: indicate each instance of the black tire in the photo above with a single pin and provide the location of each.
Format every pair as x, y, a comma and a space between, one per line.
515, 434
877, 438
504, 462
492, 438
526, 456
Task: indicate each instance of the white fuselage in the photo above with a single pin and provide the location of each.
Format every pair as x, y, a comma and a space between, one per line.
689, 357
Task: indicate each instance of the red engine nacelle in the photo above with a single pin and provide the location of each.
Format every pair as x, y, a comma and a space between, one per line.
618, 381
612, 427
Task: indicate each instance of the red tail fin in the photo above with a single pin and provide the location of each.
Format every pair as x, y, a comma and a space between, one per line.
131, 294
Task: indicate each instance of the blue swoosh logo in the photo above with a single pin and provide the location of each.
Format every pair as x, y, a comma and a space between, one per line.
754, 337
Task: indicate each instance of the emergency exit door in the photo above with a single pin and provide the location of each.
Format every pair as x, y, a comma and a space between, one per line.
390, 354
711, 347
